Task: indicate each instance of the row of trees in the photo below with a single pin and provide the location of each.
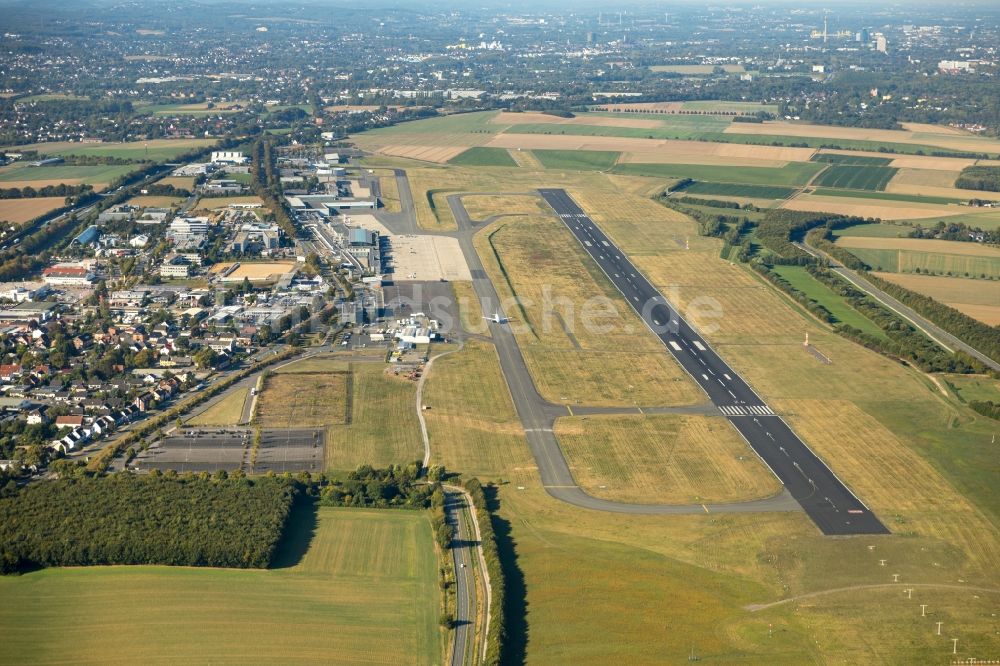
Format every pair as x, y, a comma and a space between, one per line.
130, 519
497, 633
393, 487
29, 192
987, 408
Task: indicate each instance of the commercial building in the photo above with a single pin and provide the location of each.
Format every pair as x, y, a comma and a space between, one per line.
226, 157
77, 276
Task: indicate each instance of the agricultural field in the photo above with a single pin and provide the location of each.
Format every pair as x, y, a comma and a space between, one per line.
156, 150
855, 177
23, 175
977, 298
316, 603
382, 428
303, 400
19, 211
905, 255
793, 174
480, 156
865, 206
843, 313
668, 458
736, 190
580, 160
885, 196
875, 230
225, 412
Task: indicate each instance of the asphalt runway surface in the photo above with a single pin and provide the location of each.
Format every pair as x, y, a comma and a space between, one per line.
823, 496
538, 416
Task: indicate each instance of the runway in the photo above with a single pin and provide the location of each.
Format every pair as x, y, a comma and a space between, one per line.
823, 496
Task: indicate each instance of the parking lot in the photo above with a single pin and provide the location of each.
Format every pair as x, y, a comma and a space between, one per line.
213, 449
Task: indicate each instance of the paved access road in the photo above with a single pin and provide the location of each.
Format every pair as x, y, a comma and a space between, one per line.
933, 331
834, 508
538, 416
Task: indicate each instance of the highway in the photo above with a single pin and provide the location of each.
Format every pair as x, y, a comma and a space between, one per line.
823, 496
462, 544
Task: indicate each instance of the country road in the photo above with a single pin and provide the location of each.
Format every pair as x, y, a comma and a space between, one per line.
933, 331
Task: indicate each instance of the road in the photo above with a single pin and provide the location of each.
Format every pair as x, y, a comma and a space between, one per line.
824, 497
933, 331
463, 544
538, 416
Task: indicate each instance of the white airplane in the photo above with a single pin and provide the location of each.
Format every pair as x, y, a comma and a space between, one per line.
496, 318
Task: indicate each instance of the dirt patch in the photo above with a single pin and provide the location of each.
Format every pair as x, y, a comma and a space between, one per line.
255, 272
436, 154
303, 400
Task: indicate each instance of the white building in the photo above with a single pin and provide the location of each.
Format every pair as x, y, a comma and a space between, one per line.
228, 157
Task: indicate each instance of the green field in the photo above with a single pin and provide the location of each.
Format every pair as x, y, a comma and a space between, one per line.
577, 160
364, 592
884, 196
671, 127
856, 160
792, 174
481, 156
875, 230
736, 190
842, 312
907, 261
856, 177
90, 175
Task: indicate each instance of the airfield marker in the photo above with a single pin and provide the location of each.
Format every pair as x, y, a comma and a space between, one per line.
923, 610
895, 578
954, 646
909, 593
939, 628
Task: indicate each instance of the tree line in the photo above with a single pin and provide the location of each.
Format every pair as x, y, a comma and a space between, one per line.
983, 178
29, 192
154, 519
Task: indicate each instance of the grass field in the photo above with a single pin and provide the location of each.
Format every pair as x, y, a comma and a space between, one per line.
580, 160
734, 190
20, 175
977, 298
843, 313
667, 127
905, 255
316, 364
875, 230
365, 592
157, 150
793, 174
652, 459
480, 156
974, 387
19, 211
155, 201
383, 428
226, 412
181, 182
580, 349
856, 177
302, 400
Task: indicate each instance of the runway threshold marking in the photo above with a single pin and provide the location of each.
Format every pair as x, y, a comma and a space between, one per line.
705, 508
700, 346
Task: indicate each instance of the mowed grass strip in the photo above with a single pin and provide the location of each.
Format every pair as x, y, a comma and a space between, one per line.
364, 593
578, 160
856, 177
306, 400
663, 458
383, 429
226, 412
482, 156
843, 313
738, 190
793, 174
59, 173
